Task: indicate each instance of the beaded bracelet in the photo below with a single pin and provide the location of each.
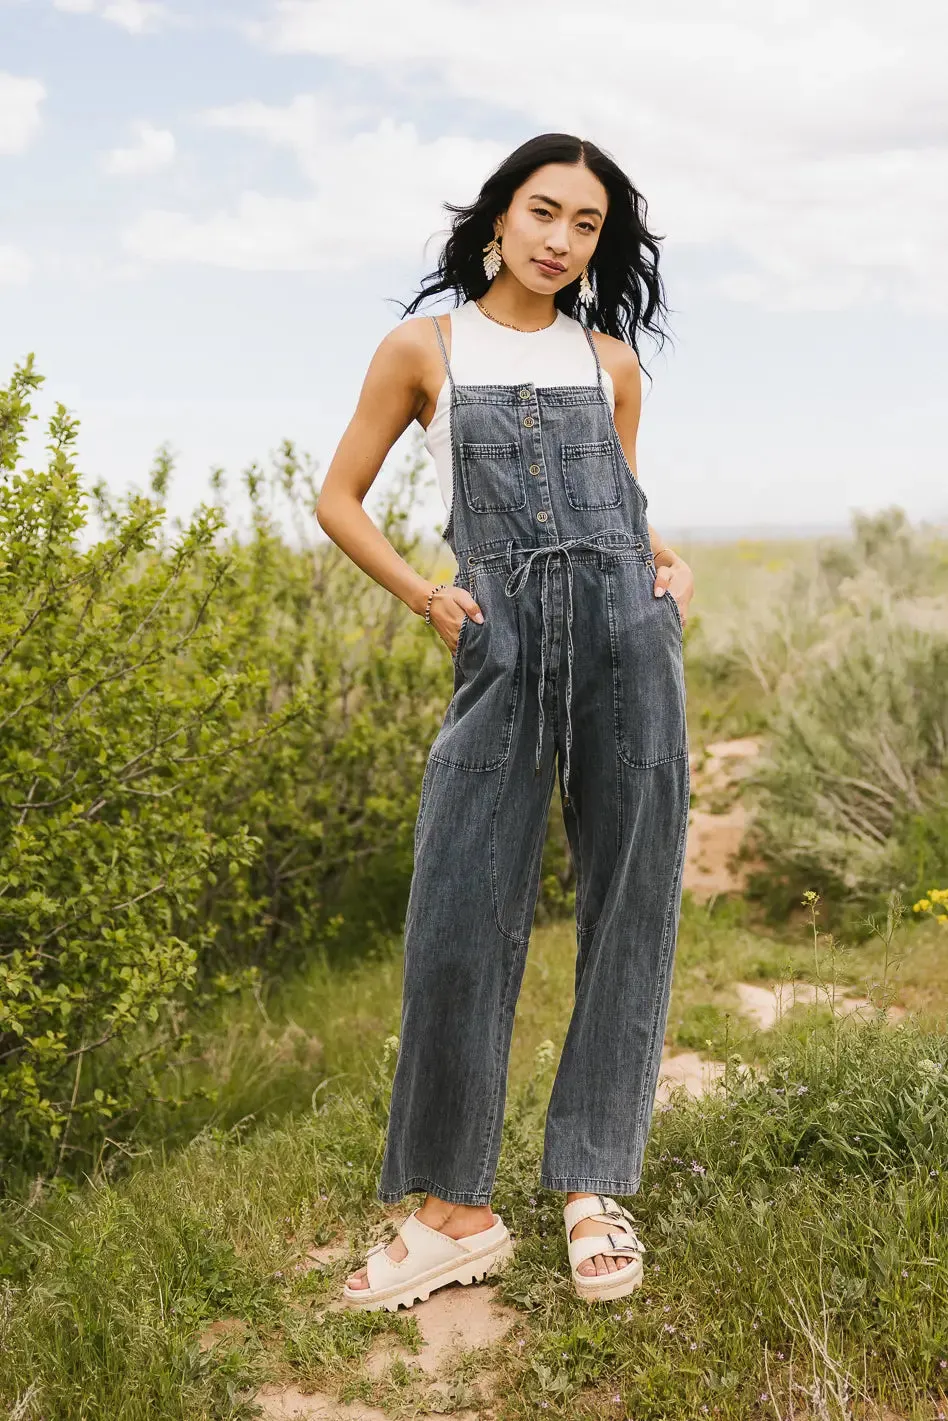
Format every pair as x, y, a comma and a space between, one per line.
428, 603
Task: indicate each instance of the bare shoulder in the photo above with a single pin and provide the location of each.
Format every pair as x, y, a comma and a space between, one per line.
410, 339
621, 361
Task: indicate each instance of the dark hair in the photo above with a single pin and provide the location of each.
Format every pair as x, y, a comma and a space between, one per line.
628, 292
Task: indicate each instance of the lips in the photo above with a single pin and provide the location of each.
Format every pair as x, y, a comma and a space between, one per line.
550, 266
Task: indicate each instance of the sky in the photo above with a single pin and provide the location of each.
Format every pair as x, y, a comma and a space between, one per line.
209, 214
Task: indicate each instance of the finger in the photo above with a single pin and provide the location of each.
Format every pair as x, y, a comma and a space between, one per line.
662, 579
469, 606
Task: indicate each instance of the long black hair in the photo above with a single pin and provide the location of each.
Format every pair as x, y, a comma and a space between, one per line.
628, 293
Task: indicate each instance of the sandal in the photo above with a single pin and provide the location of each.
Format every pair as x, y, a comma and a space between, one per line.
622, 1242
432, 1261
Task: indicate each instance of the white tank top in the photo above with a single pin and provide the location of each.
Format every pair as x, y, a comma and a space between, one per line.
485, 353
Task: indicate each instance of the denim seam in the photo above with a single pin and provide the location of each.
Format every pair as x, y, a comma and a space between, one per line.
417, 1182
499, 1075
661, 994
576, 1183
492, 842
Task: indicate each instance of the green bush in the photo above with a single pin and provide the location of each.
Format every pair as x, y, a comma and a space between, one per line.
852, 660
210, 757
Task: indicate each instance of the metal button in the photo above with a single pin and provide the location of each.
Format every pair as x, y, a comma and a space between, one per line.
529, 421
542, 516
525, 394
534, 468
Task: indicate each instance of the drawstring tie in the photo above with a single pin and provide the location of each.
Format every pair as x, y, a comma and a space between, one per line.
514, 585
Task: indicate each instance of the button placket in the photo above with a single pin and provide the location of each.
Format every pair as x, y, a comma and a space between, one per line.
543, 511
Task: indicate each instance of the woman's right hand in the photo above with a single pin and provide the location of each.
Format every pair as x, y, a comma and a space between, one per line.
448, 607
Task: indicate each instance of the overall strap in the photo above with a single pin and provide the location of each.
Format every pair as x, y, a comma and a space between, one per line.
444, 353
592, 346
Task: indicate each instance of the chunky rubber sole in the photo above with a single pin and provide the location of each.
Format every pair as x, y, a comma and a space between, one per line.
474, 1269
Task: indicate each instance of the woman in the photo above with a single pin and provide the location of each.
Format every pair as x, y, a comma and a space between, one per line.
564, 622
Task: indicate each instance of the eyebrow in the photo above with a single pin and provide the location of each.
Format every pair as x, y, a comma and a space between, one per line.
553, 203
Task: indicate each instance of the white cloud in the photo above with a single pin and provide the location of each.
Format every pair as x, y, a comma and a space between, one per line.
15, 266
155, 149
809, 139
377, 195
135, 16
20, 101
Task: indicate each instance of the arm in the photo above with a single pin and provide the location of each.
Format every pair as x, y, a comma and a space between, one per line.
673, 573
393, 393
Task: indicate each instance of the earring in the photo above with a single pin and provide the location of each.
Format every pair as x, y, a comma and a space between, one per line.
492, 258
585, 287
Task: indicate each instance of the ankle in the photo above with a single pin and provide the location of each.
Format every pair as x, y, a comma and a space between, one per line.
440, 1214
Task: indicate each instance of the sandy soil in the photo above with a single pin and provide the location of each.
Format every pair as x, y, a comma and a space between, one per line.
718, 819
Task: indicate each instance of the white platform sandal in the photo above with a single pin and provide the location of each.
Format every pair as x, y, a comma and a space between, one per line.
432, 1261
618, 1240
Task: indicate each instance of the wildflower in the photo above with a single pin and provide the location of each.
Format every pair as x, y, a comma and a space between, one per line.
693, 1347
617, 1399
764, 1396
904, 1272
697, 1168
802, 1089
779, 1356
943, 1364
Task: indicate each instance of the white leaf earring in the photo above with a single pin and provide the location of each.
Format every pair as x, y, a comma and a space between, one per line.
492, 258
585, 287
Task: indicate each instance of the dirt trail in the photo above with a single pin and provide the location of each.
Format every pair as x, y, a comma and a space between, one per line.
718, 819
453, 1320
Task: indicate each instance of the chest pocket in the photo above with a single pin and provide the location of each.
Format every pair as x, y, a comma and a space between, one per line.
492, 475
590, 476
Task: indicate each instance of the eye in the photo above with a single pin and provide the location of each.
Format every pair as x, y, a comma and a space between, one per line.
545, 211
588, 226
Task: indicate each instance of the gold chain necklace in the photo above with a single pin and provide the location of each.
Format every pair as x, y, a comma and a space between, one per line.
512, 327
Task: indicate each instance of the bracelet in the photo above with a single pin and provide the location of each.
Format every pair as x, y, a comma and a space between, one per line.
428, 603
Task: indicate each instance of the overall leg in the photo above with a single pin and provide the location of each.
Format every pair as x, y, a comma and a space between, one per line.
627, 823
478, 846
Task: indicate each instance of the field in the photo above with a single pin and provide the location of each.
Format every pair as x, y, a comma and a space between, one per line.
192, 1126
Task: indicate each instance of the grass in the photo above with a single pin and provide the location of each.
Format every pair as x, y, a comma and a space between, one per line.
795, 1221
795, 1218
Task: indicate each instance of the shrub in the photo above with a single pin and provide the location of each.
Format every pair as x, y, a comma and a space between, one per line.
209, 743
853, 659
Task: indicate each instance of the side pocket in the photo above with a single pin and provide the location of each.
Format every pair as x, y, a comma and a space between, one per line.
460, 641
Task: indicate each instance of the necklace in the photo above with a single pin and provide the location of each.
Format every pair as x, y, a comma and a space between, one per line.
512, 327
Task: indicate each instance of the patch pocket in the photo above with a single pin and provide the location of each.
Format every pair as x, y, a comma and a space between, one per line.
492, 475
647, 669
477, 728
590, 476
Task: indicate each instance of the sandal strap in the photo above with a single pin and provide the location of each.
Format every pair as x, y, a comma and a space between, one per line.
427, 1248
610, 1245
598, 1206
618, 1238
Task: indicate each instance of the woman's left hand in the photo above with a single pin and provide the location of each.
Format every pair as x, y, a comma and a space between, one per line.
673, 575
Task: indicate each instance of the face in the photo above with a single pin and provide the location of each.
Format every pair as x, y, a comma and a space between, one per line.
550, 230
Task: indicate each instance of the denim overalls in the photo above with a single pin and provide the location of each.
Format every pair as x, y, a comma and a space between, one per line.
575, 656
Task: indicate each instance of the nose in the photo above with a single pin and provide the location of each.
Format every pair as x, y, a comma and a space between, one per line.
557, 241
